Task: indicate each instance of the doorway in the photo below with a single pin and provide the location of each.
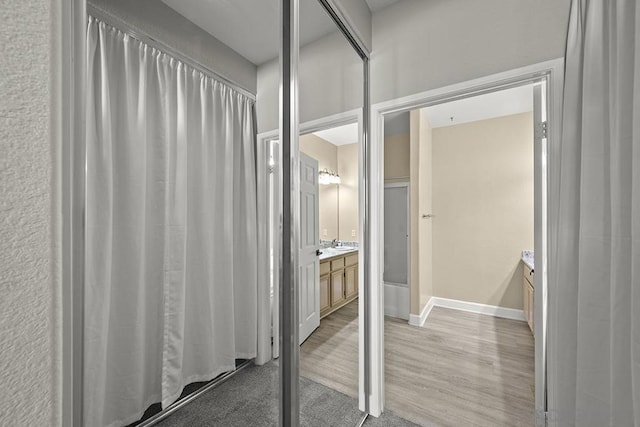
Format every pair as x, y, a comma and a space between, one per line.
548, 79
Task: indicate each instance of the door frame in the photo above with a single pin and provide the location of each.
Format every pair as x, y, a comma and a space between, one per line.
552, 72
264, 139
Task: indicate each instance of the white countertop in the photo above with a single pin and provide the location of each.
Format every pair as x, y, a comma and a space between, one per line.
527, 258
339, 251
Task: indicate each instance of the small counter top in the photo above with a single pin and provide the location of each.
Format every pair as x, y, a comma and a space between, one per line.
528, 259
328, 253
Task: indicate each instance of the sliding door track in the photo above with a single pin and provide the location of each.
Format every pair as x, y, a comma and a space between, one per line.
193, 396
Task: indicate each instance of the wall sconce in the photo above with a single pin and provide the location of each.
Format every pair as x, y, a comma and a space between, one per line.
326, 177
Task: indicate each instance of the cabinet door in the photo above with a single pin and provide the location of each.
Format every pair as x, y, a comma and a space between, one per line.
525, 299
337, 287
325, 292
531, 308
351, 281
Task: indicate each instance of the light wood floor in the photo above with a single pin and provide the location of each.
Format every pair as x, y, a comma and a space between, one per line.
460, 369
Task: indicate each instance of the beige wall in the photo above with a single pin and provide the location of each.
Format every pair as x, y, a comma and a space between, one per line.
396, 157
348, 170
420, 142
327, 156
483, 206
30, 257
338, 203
425, 206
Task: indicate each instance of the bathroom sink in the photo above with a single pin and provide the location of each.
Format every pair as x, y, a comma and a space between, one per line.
343, 249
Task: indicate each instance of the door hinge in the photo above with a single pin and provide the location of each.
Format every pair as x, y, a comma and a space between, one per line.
541, 130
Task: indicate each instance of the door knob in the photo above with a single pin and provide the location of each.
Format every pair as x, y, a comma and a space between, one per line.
318, 252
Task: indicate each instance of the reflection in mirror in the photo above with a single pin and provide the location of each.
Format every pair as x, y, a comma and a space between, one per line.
176, 305
331, 99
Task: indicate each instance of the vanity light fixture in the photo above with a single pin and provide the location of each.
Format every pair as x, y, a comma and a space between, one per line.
327, 177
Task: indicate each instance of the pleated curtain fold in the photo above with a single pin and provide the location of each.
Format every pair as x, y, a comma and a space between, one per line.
595, 308
171, 228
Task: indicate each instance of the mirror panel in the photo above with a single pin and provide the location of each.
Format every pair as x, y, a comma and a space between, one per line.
330, 101
177, 301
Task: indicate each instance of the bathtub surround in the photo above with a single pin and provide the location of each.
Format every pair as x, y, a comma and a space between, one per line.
171, 228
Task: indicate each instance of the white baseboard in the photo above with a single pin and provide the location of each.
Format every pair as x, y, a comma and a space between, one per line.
397, 301
418, 320
473, 307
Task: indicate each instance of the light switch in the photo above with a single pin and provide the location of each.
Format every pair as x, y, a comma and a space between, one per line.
353, 233
324, 232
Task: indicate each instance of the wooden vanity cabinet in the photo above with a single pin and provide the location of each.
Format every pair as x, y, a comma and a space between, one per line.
338, 282
528, 296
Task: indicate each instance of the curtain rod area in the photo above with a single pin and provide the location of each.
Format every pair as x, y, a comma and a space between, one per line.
127, 28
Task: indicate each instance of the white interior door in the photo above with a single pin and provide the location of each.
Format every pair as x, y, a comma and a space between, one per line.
309, 292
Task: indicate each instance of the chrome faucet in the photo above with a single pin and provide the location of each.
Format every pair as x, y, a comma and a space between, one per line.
334, 243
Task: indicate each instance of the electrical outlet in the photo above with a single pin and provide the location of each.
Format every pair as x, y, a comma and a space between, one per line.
353, 233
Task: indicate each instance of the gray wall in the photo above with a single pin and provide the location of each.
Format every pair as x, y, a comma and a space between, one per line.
330, 81
159, 21
357, 13
420, 45
29, 220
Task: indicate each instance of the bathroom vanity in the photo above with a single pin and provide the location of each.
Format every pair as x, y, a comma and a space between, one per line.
528, 288
338, 279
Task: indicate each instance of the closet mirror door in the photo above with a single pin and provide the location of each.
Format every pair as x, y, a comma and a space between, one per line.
331, 84
177, 301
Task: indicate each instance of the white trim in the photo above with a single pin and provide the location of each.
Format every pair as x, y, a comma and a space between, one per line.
474, 307
418, 320
334, 120
397, 300
552, 72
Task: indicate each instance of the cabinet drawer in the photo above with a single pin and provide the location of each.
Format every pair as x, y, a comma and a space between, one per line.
325, 268
337, 264
351, 259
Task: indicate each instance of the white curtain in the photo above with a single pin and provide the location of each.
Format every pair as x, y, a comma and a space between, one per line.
171, 255
596, 305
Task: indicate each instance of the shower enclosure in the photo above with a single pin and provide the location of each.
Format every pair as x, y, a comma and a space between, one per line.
166, 254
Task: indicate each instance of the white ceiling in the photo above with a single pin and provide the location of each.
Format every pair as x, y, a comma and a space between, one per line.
341, 135
488, 106
482, 107
251, 27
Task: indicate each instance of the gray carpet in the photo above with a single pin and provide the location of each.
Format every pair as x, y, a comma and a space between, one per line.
250, 399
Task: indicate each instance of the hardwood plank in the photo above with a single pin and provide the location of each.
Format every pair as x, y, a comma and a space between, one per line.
460, 369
